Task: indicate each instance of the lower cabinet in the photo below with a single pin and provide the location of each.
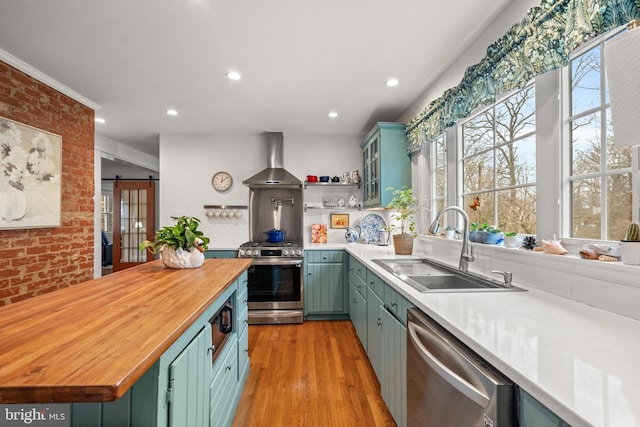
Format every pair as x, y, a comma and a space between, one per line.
381, 327
325, 285
189, 376
358, 313
394, 360
375, 332
183, 388
532, 413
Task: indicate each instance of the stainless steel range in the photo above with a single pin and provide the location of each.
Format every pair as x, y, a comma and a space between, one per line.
275, 281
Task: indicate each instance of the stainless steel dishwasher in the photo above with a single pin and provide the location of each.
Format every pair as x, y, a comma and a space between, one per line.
448, 384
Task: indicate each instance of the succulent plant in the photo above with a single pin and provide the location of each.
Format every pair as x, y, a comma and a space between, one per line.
632, 233
529, 242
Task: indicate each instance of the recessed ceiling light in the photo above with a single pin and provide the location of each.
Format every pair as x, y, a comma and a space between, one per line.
99, 120
233, 75
333, 114
172, 112
392, 82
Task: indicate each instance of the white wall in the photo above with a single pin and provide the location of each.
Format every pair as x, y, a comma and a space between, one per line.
188, 161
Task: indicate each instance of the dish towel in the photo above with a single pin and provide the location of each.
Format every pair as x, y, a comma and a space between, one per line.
622, 54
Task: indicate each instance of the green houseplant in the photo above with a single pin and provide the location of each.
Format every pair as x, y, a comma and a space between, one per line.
404, 203
181, 245
630, 245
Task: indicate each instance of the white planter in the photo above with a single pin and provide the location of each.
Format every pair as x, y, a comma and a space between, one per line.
630, 252
180, 258
511, 241
449, 234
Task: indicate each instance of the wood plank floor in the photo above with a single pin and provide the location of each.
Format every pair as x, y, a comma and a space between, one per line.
313, 374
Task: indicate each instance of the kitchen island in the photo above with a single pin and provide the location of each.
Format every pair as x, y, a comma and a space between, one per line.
94, 341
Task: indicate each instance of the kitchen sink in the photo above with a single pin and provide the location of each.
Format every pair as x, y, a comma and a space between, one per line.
429, 276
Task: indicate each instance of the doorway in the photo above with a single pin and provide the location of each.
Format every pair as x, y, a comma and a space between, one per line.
133, 221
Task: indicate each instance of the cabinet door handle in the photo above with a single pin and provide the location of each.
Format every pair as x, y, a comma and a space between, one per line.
354, 300
227, 368
211, 349
309, 274
372, 283
379, 322
324, 257
394, 304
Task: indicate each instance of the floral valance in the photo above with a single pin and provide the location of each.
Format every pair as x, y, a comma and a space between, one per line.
540, 42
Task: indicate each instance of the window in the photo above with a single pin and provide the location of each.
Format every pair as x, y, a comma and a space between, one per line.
599, 174
499, 164
439, 173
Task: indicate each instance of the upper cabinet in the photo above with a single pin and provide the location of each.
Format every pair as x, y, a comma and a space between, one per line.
385, 163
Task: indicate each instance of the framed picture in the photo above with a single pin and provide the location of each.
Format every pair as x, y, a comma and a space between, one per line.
30, 176
339, 220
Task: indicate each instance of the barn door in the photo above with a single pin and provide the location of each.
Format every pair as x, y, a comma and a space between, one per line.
133, 223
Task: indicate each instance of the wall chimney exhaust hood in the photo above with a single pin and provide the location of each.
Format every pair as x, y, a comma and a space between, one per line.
274, 175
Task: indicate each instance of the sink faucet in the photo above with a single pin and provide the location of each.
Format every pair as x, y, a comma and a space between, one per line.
466, 255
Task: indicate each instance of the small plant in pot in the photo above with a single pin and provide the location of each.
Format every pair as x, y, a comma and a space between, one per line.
181, 245
511, 239
630, 245
491, 236
404, 202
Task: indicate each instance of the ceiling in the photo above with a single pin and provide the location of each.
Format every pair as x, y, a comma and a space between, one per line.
299, 60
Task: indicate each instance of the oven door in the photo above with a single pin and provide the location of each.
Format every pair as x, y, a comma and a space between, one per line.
275, 284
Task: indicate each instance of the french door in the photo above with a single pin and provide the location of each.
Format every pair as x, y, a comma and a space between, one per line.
134, 203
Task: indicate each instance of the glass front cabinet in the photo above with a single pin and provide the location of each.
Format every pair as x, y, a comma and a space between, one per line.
385, 163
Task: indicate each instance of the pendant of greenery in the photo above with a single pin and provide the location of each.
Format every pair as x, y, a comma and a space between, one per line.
184, 234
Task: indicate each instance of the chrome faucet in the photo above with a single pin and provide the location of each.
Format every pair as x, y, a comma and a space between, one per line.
466, 255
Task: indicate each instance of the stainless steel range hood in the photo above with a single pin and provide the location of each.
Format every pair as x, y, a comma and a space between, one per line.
274, 175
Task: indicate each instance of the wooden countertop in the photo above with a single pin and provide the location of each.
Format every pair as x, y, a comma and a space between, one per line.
91, 342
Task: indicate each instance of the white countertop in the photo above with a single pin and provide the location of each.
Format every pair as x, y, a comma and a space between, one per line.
581, 362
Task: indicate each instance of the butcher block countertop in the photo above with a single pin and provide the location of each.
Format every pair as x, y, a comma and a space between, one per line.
91, 342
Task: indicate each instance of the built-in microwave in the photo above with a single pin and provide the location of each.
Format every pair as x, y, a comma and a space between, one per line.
221, 328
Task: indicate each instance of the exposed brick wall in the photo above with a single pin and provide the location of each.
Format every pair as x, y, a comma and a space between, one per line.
36, 261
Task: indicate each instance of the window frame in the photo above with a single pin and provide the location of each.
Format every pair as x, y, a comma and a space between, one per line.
567, 118
459, 127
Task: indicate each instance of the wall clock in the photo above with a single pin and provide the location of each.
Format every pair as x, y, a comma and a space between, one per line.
222, 181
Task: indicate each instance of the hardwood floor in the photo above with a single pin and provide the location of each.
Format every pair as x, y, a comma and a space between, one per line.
313, 374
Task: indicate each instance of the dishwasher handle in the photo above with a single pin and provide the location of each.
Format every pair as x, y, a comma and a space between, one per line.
447, 374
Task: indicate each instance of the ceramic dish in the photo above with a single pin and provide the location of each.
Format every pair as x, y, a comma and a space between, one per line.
370, 228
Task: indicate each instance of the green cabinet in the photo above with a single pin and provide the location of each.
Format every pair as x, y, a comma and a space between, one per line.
220, 253
379, 318
394, 358
189, 376
375, 332
385, 163
325, 285
532, 413
358, 313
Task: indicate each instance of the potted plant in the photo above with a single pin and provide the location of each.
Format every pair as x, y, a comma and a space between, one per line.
449, 232
473, 232
491, 236
630, 245
404, 202
181, 245
511, 239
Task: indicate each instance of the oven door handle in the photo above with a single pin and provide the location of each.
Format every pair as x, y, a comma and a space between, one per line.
280, 261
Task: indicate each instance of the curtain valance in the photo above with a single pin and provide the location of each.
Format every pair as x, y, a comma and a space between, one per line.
540, 42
